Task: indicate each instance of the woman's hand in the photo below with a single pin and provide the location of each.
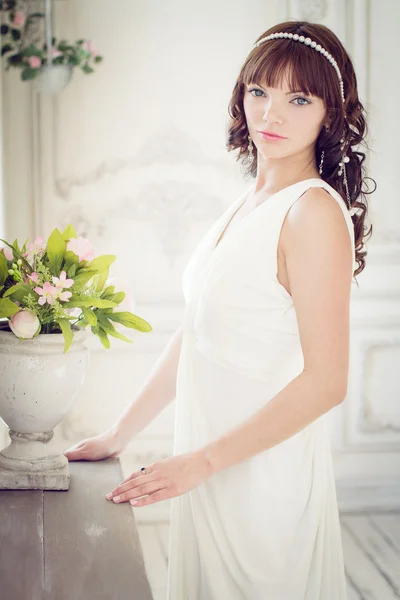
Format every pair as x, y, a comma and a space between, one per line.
164, 479
98, 447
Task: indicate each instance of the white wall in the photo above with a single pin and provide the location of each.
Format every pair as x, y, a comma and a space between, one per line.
134, 155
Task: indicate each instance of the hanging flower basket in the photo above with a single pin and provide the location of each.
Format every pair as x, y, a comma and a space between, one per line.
51, 68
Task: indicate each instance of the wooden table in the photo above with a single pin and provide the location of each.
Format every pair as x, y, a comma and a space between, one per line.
71, 545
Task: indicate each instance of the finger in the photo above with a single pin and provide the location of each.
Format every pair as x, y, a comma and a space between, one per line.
151, 498
130, 484
77, 454
141, 490
137, 475
127, 479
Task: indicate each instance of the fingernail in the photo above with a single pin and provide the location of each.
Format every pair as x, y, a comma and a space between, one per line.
133, 501
117, 498
109, 496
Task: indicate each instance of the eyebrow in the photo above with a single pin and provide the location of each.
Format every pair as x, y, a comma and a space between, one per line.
287, 93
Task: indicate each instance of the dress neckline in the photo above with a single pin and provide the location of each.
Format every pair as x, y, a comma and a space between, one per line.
221, 236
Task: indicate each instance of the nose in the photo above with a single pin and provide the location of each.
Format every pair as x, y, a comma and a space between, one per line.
271, 114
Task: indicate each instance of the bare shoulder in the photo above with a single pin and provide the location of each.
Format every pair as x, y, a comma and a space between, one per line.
315, 217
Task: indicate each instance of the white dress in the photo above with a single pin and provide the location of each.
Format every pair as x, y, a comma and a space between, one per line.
266, 528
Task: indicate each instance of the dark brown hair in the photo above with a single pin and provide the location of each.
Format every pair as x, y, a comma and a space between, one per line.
309, 71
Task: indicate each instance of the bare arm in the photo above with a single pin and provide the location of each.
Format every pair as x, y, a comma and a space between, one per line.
157, 391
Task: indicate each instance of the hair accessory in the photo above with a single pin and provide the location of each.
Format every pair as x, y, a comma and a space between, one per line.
308, 42
312, 44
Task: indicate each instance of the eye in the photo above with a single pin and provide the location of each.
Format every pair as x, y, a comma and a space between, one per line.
255, 90
301, 98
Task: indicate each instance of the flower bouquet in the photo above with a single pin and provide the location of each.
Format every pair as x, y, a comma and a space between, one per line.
42, 284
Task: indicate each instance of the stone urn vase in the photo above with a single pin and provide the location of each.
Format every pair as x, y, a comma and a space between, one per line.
38, 385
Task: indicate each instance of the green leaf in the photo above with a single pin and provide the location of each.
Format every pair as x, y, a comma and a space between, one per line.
70, 258
32, 50
117, 298
103, 338
97, 59
17, 252
56, 248
108, 291
65, 327
69, 233
101, 263
110, 330
8, 308
18, 292
101, 281
82, 323
90, 316
83, 277
72, 270
130, 320
3, 268
87, 69
87, 302
29, 73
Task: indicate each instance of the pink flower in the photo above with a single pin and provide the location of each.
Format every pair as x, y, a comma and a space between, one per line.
33, 277
63, 282
34, 62
34, 248
19, 19
8, 253
37, 246
55, 53
81, 247
47, 294
63, 296
25, 324
90, 47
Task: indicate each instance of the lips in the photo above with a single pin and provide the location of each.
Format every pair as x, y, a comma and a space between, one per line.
275, 135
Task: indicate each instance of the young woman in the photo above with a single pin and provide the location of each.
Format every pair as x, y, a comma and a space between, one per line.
263, 353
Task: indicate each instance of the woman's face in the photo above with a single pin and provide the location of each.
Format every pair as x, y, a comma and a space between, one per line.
278, 110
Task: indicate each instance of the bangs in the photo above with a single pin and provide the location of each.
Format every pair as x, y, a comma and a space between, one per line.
284, 62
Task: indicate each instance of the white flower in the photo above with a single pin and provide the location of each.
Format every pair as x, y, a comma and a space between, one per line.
25, 324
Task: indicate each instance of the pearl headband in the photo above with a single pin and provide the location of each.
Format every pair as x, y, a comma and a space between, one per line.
309, 42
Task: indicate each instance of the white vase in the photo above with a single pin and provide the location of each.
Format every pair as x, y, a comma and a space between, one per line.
53, 78
39, 383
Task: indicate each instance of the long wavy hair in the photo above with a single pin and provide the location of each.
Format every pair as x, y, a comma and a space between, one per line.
309, 71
